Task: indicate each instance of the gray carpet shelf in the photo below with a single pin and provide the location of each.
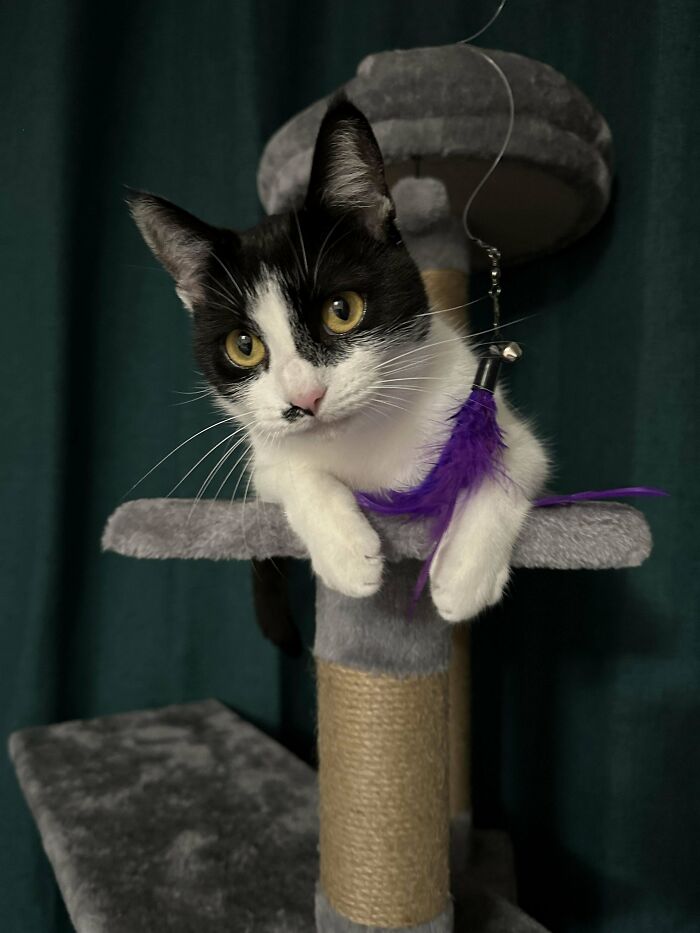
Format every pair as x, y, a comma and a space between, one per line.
588, 535
184, 819
187, 819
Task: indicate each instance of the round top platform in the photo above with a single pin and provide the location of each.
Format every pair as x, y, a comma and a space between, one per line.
443, 111
588, 535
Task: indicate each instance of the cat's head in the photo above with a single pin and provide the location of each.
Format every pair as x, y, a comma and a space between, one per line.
295, 319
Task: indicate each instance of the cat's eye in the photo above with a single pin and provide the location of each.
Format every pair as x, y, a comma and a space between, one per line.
244, 349
343, 312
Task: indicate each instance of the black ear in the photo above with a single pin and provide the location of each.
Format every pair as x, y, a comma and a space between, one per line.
180, 242
347, 172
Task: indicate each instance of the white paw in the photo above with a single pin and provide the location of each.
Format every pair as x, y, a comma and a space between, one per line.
462, 586
347, 557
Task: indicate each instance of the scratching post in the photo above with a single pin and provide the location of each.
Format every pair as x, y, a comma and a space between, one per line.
383, 781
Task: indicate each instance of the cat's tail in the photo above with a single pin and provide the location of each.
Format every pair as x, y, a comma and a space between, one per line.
272, 609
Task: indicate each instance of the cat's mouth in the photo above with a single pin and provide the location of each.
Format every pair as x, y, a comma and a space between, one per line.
320, 424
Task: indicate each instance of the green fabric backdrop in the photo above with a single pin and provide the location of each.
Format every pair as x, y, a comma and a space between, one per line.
587, 718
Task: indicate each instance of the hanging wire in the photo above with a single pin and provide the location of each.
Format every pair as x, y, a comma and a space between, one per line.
486, 25
492, 252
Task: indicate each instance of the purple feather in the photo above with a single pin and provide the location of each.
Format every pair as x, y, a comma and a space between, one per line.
473, 452
596, 494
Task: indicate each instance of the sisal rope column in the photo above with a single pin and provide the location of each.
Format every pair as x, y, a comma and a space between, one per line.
383, 752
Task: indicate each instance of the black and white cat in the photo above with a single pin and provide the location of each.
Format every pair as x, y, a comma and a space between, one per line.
315, 332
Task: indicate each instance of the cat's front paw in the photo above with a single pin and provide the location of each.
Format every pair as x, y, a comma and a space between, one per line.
347, 557
462, 586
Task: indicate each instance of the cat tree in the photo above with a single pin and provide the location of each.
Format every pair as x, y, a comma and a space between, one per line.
223, 846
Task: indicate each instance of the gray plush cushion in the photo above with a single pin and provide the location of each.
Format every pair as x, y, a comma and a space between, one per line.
592, 535
447, 106
179, 820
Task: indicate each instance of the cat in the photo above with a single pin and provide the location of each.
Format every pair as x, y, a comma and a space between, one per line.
315, 332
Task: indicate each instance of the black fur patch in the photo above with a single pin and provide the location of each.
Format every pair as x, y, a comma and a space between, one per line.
340, 256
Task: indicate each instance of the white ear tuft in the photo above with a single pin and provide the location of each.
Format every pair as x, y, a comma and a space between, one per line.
347, 173
178, 240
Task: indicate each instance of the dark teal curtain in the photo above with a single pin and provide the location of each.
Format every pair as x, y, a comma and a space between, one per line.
587, 721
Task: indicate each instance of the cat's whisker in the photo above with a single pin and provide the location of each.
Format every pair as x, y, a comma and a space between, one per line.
238, 481
467, 304
403, 388
323, 246
413, 363
175, 450
376, 417
132, 265
196, 391
198, 387
458, 337
270, 438
206, 482
221, 307
229, 274
420, 378
231, 472
301, 241
490, 330
190, 400
208, 393
422, 347
443, 396
382, 401
222, 292
393, 395
205, 485
296, 254
202, 459
245, 499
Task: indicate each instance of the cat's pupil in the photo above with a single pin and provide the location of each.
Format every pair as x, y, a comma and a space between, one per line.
244, 343
341, 308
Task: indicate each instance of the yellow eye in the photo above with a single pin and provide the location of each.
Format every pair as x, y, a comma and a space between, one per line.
244, 349
343, 312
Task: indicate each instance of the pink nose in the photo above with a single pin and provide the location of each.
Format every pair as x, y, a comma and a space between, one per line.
309, 401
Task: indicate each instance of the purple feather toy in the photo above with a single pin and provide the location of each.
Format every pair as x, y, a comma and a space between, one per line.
473, 453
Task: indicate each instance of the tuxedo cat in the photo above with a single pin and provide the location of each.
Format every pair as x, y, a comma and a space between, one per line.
316, 335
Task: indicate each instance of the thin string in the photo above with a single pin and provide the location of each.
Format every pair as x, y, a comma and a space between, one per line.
491, 251
486, 26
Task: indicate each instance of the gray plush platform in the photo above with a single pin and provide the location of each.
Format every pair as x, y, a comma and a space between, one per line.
446, 107
189, 820
184, 819
590, 535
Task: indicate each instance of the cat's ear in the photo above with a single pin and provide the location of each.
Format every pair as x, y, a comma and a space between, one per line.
347, 172
180, 242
